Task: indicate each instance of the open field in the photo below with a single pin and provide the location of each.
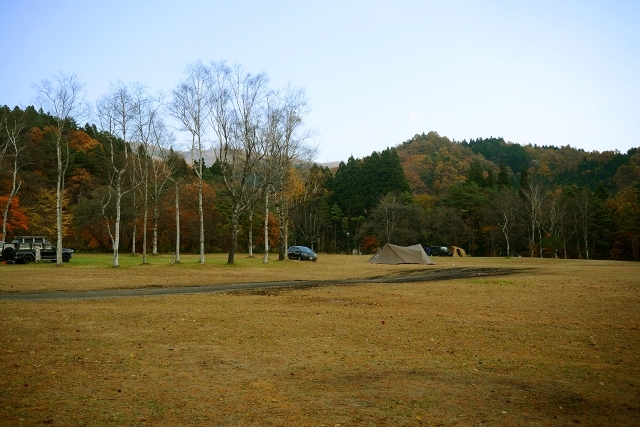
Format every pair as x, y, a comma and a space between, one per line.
94, 272
555, 343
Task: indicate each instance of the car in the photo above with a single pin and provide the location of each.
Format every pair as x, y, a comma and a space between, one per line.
25, 249
439, 251
301, 253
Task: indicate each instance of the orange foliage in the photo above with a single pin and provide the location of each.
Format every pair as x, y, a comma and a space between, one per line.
369, 244
16, 219
36, 134
80, 179
97, 237
81, 141
274, 232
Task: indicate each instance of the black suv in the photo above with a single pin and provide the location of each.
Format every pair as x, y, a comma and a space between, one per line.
24, 250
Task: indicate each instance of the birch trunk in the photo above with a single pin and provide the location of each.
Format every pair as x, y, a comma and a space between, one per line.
266, 227
250, 245
177, 225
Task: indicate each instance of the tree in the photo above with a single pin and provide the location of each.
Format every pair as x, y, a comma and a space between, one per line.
116, 111
191, 106
553, 222
476, 174
534, 197
162, 169
149, 130
238, 117
583, 202
12, 150
469, 199
303, 198
178, 171
626, 212
63, 99
42, 215
286, 144
395, 220
503, 178
506, 208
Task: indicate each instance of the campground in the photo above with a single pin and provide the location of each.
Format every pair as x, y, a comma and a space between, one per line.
549, 342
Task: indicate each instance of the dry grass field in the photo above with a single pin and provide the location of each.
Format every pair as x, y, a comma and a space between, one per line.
556, 343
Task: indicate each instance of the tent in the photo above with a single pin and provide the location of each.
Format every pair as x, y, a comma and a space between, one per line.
457, 251
392, 254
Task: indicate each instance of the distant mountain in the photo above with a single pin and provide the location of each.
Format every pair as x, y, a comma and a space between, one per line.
209, 156
330, 165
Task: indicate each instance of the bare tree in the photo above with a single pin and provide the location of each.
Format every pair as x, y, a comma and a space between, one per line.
177, 172
553, 223
238, 120
161, 170
535, 197
506, 211
148, 127
394, 220
286, 141
191, 106
116, 112
583, 203
12, 125
63, 99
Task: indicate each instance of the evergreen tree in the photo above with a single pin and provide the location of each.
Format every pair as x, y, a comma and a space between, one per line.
476, 175
490, 181
503, 178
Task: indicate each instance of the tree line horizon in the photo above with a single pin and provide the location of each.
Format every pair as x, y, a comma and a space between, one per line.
120, 183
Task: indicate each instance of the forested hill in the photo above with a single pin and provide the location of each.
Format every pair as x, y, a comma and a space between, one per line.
432, 163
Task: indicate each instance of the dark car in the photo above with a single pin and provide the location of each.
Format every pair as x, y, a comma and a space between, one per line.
439, 251
301, 253
25, 249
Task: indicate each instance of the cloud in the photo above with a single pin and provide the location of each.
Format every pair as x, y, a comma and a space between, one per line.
413, 115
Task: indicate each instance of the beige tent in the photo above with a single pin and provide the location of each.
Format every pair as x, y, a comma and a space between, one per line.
392, 254
457, 251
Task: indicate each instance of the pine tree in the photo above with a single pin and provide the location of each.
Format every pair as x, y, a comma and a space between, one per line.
503, 178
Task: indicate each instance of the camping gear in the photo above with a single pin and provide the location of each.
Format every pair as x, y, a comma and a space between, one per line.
393, 254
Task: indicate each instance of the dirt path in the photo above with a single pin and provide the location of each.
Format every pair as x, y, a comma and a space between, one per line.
154, 290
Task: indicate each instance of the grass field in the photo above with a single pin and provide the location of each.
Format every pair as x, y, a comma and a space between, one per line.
556, 343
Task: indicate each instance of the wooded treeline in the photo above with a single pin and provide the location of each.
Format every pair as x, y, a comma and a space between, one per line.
126, 188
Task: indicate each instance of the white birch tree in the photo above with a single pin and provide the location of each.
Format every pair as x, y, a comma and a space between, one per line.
147, 124
63, 99
12, 124
116, 112
237, 118
191, 107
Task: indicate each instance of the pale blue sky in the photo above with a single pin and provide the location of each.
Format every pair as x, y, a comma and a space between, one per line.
376, 72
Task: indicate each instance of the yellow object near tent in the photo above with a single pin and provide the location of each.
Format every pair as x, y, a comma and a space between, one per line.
392, 254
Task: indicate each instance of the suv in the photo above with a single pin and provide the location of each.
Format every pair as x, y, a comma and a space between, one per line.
301, 253
439, 251
23, 249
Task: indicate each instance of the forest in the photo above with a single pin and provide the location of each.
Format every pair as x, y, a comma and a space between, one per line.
118, 184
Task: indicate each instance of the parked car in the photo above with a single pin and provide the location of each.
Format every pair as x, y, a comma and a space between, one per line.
24, 250
440, 251
301, 253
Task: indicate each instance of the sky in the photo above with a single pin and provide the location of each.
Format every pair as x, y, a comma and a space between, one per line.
375, 72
